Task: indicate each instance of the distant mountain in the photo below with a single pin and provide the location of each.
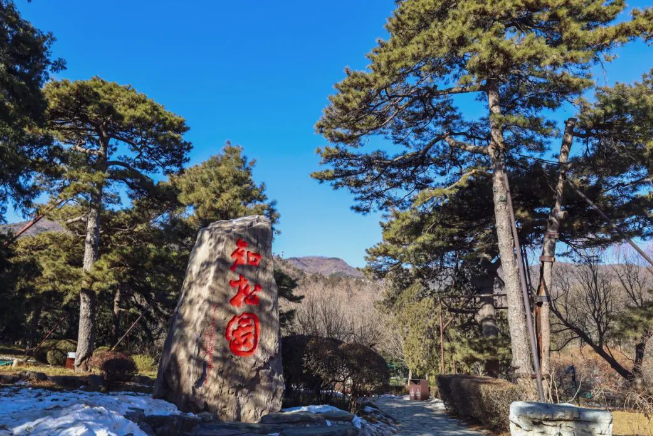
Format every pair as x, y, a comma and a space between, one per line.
326, 266
40, 227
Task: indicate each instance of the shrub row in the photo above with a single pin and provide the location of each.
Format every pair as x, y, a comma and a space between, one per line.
482, 398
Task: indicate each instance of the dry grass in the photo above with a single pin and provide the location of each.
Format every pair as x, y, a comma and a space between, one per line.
631, 423
47, 369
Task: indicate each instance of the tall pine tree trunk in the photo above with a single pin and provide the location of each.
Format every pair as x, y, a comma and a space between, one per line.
548, 252
115, 325
487, 316
521, 362
87, 297
640, 353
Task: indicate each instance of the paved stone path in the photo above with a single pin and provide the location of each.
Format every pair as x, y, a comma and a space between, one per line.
422, 418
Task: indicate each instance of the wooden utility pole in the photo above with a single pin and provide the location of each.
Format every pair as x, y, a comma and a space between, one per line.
525, 296
542, 310
441, 336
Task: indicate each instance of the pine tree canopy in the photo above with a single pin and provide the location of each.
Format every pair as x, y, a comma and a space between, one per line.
26, 66
535, 55
223, 188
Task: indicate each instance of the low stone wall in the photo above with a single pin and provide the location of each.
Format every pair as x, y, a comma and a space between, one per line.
530, 419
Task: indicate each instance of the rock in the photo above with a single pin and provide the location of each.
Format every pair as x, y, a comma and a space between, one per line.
337, 415
19, 362
171, 425
529, 418
95, 382
32, 376
68, 381
307, 418
222, 349
232, 429
8, 379
339, 430
143, 380
137, 416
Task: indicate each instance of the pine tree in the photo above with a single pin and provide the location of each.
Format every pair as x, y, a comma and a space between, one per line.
113, 136
26, 64
521, 59
223, 188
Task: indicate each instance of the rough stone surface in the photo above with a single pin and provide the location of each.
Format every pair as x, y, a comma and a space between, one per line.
527, 418
32, 376
340, 430
198, 370
294, 418
336, 415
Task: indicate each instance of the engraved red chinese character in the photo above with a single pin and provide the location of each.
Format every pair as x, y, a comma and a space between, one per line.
253, 259
245, 293
244, 257
239, 254
243, 333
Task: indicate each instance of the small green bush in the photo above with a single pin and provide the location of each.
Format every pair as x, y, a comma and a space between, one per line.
144, 363
482, 398
41, 354
115, 366
58, 354
54, 351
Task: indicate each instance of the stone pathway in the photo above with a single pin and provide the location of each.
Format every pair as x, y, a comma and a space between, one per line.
422, 418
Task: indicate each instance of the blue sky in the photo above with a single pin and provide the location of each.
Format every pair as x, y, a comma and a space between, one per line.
255, 72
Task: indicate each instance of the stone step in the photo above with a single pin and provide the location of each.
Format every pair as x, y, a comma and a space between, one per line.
337, 430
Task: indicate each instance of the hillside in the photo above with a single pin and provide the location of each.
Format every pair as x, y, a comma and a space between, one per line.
42, 226
325, 266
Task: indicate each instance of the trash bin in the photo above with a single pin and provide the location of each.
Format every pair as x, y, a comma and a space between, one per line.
70, 360
419, 389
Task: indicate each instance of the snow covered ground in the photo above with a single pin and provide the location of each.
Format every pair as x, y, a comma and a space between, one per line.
39, 412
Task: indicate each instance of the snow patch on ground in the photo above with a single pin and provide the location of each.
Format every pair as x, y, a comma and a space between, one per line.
39, 412
322, 408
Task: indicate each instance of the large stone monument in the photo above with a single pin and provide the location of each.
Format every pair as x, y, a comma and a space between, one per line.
222, 353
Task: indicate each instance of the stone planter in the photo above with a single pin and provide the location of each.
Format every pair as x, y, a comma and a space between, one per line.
530, 419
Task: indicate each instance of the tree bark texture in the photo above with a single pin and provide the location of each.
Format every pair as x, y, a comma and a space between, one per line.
204, 365
116, 315
548, 252
87, 297
521, 363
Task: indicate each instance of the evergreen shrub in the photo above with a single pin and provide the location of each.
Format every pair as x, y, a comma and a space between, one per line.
485, 399
57, 354
115, 366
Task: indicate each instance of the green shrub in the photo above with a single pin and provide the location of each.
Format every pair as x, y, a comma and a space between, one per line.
54, 351
482, 398
57, 355
144, 362
41, 354
115, 366
324, 364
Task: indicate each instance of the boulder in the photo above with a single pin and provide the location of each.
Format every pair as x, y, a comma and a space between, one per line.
306, 418
32, 376
530, 418
340, 430
8, 379
222, 350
